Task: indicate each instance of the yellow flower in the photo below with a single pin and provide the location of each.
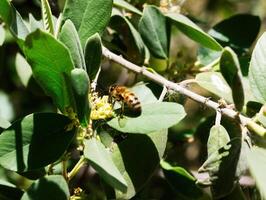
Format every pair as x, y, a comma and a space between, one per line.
100, 107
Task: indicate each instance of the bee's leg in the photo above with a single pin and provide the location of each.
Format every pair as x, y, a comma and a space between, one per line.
122, 109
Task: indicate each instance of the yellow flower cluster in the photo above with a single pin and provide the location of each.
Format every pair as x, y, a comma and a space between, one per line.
100, 107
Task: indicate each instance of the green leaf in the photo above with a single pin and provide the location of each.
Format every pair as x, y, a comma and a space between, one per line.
93, 55
52, 187
168, 114
222, 166
101, 160
207, 56
215, 83
217, 139
13, 19
257, 164
35, 141
230, 69
137, 165
191, 30
88, 16
236, 34
257, 70
47, 17
181, 181
80, 84
2, 35
69, 36
152, 27
23, 69
51, 65
127, 6
134, 45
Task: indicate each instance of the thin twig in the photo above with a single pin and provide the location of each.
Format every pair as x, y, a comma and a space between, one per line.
182, 90
164, 92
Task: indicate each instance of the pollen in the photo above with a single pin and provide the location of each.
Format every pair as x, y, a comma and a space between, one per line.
100, 107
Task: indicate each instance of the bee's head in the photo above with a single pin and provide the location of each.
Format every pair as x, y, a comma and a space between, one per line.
111, 88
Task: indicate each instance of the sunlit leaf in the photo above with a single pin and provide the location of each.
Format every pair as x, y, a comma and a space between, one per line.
127, 6
257, 164
70, 38
51, 65
215, 83
88, 16
23, 69
257, 70
191, 30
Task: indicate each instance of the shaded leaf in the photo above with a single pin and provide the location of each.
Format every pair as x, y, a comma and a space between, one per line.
236, 34
181, 181
101, 160
69, 36
230, 69
88, 16
34, 23
138, 164
257, 163
191, 30
135, 48
127, 6
4, 124
80, 84
93, 55
51, 65
152, 27
215, 83
35, 141
52, 187
168, 114
222, 166
257, 70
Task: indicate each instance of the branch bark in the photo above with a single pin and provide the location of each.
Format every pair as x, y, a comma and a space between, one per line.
251, 125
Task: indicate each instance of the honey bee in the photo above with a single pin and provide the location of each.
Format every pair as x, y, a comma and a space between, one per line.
125, 96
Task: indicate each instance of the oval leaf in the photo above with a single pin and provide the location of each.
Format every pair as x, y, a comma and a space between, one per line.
215, 83
101, 160
152, 27
52, 187
51, 65
93, 55
35, 141
230, 69
257, 70
154, 117
88, 16
69, 36
191, 30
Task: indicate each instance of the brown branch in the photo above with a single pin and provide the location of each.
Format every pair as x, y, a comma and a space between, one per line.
251, 125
